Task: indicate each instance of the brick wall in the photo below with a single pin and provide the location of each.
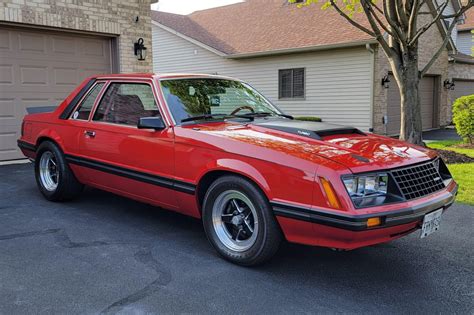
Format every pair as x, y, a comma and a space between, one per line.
428, 45
115, 17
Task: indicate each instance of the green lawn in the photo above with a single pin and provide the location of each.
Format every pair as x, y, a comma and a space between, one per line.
463, 173
451, 145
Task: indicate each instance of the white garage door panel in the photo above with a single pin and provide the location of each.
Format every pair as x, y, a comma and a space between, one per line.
40, 68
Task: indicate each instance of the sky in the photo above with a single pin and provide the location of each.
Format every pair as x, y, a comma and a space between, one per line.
189, 6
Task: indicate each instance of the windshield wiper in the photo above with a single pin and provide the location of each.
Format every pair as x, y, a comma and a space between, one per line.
203, 117
263, 114
212, 116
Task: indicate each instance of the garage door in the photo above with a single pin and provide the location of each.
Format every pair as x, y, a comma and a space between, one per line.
462, 88
40, 68
427, 90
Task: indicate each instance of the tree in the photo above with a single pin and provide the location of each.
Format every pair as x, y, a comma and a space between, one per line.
395, 26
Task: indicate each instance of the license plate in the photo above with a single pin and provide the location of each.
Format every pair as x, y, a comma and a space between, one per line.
431, 223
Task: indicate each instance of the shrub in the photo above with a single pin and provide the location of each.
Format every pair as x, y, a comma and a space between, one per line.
308, 118
463, 117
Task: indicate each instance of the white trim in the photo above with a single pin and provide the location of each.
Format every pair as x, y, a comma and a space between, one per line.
189, 39
302, 49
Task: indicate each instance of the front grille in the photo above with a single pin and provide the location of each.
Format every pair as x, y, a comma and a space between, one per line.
418, 180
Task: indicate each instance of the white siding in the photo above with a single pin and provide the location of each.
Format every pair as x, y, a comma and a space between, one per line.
338, 82
465, 42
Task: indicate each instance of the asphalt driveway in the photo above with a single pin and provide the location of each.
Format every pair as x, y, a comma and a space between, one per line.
104, 253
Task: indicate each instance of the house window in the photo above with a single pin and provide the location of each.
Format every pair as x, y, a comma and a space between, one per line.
291, 83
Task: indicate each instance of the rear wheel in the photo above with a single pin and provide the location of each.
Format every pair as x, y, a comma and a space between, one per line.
239, 222
54, 178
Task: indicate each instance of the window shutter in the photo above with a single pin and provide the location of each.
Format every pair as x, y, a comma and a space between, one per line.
298, 83
285, 83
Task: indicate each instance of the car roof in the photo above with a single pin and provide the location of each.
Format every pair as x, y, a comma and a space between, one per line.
160, 76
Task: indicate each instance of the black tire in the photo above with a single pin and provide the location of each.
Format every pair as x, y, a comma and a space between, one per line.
268, 234
68, 187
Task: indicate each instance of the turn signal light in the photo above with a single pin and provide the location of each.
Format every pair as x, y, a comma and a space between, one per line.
330, 193
371, 222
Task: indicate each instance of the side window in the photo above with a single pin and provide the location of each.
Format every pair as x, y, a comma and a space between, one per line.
85, 108
126, 103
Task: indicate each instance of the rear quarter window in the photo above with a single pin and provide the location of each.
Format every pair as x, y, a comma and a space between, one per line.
83, 111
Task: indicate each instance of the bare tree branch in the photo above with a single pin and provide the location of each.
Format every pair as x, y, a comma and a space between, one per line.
420, 5
389, 16
425, 27
377, 7
402, 17
412, 22
441, 49
350, 20
366, 6
460, 12
381, 23
439, 16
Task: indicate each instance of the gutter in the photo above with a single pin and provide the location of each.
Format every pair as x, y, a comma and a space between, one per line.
301, 49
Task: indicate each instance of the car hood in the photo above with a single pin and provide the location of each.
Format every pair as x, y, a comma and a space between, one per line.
310, 141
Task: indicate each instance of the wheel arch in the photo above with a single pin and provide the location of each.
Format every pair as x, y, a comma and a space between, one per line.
231, 167
52, 136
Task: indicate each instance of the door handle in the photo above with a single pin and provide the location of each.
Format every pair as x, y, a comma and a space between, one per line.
90, 134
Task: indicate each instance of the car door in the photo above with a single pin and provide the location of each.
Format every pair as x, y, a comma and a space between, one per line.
72, 131
119, 157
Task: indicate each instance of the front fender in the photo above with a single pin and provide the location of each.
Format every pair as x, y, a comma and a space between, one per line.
277, 182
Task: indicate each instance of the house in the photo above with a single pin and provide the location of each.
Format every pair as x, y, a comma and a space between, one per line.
48, 47
461, 69
309, 62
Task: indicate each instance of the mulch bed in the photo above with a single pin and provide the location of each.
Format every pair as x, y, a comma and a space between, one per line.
451, 157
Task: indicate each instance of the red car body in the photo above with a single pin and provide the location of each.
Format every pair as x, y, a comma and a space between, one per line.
172, 168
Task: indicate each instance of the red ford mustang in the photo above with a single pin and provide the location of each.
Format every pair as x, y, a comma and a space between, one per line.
214, 148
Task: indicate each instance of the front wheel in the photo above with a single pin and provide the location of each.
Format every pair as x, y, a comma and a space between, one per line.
54, 178
239, 222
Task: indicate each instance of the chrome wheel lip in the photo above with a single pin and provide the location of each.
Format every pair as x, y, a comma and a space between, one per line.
221, 228
48, 171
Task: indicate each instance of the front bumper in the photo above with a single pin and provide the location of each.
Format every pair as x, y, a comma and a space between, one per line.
349, 231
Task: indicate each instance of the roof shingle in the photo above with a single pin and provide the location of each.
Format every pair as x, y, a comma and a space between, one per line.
264, 25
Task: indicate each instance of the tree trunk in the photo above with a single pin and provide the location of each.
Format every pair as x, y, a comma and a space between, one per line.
408, 79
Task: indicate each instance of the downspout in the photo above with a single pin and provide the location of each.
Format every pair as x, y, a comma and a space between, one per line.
372, 77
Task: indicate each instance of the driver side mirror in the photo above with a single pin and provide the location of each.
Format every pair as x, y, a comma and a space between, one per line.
151, 123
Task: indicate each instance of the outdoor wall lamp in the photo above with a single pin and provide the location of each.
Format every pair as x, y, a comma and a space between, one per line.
385, 81
140, 49
449, 84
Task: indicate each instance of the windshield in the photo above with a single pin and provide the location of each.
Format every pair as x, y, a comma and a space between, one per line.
188, 98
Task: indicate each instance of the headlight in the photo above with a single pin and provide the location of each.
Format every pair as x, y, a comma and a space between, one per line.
366, 185
371, 189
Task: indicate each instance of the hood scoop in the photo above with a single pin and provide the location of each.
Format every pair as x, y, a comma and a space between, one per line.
310, 129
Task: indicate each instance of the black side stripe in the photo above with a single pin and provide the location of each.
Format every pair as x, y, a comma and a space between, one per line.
320, 217
68, 110
26, 146
135, 175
